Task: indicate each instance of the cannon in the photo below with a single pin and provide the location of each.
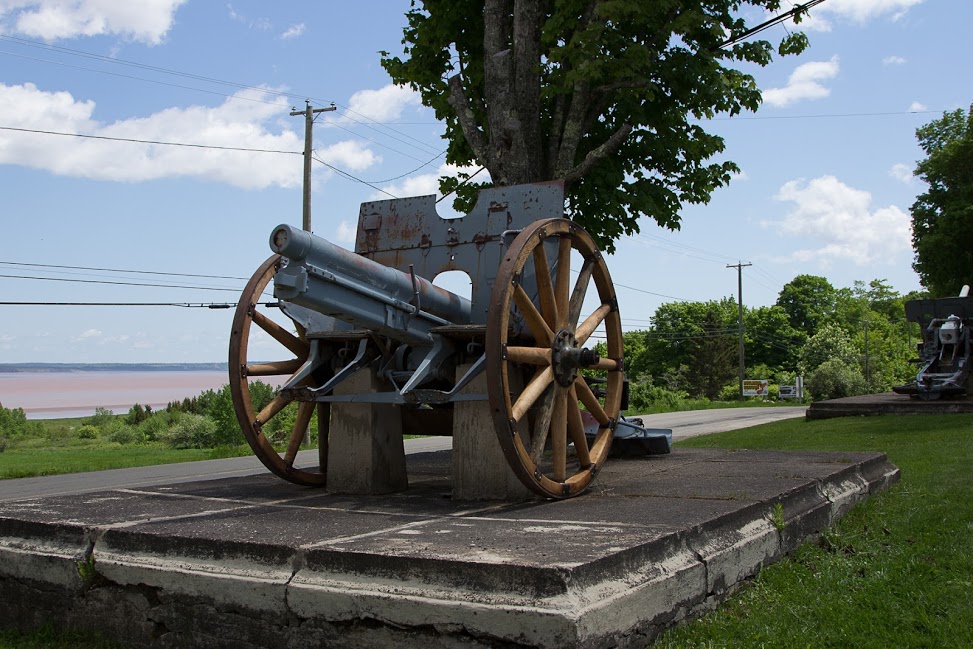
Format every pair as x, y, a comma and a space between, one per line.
946, 350
518, 353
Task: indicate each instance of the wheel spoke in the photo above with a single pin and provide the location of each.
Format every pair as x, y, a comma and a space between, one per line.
580, 290
281, 335
545, 291
610, 364
559, 434
304, 412
535, 321
542, 424
590, 401
532, 393
586, 328
277, 368
529, 355
272, 408
562, 288
576, 429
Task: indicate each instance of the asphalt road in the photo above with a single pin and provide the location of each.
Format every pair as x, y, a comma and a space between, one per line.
683, 425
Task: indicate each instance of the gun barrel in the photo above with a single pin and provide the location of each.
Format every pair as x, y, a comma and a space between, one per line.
335, 281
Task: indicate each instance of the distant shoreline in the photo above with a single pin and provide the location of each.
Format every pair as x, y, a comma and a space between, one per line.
13, 368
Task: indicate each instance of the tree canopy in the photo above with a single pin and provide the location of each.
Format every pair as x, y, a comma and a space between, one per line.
606, 95
942, 217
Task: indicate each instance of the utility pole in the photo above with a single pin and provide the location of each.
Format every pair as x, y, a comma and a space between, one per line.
868, 372
740, 267
308, 113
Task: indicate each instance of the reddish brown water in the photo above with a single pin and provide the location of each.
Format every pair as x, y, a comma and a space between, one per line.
50, 395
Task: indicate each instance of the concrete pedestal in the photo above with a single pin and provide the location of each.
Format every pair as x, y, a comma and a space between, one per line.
480, 471
365, 452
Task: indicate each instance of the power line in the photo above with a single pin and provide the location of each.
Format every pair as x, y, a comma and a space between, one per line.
137, 141
117, 283
409, 173
351, 177
197, 77
187, 305
121, 270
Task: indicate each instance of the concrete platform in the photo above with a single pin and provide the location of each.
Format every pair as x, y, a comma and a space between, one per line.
258, 562
887, 403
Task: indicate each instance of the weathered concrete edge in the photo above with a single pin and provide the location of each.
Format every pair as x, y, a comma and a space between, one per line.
703, 567
825, 410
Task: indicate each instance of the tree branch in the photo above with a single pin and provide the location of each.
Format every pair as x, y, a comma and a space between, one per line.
467, 121
596, 155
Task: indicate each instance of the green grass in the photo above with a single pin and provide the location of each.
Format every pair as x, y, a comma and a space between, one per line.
896, 571
40, 457
685, 405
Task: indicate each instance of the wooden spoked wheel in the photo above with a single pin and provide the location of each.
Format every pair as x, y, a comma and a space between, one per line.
251, 311
534, 377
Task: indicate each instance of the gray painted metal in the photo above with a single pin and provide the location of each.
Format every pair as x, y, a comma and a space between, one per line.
386, 285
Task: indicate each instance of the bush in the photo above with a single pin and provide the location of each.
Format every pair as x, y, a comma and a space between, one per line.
645, 396
102, 419
191, 431
13, 423
835, 379
3, 443
155, 427
124, 435
87, 431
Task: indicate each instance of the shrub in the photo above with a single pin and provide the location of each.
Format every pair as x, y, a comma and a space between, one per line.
102, 418
835, 379
191, 431
644, 396
13, 423
155, 427
3, 443
124, 435
87, 431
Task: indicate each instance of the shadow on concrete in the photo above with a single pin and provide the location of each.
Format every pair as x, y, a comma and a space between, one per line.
258, 562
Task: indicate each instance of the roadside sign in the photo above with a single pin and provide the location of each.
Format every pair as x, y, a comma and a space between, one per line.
755, 387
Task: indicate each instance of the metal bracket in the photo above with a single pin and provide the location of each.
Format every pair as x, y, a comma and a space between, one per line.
359, 361
442, 350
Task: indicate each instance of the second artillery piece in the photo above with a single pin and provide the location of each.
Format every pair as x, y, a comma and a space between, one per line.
376, 339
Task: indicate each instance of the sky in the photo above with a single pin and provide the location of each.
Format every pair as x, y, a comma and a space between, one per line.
825, 185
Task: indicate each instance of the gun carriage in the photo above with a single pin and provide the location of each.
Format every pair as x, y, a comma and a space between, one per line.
428, 352
946, 350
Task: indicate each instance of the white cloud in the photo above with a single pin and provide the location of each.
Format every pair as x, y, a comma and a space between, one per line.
348, 155
917, 107
893, 60
346, 233
804, 83
141, 20
841, 220
859, 12
426, 184
902, 173
294, 31
249, 120
739, 176
384, 104
88, 334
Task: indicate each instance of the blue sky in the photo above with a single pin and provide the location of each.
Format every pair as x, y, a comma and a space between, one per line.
825, 187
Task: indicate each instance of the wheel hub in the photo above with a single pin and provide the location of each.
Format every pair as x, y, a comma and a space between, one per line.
567, 357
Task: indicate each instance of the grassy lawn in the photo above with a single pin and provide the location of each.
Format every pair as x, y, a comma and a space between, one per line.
896, 571
26, 461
